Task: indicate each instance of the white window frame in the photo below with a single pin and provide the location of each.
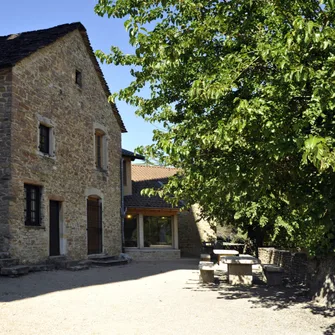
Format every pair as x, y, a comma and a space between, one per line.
51, 125
97, 127
174, 227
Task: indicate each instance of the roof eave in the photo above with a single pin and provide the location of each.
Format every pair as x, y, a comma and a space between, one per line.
6, 66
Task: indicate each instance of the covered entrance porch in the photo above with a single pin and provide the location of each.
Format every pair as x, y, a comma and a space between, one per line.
151, 234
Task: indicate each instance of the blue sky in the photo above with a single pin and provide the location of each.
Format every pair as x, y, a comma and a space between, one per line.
24, 15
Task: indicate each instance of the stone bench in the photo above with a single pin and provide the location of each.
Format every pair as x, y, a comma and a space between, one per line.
206, 272
273, 274
240, 269
225, 253
205, 257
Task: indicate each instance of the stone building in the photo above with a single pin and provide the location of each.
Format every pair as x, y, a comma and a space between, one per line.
60, 148
153, 229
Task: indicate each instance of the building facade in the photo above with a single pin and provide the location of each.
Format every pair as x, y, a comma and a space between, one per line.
153, 229
60, 148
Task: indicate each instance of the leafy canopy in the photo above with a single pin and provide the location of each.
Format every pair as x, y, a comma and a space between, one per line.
246, 93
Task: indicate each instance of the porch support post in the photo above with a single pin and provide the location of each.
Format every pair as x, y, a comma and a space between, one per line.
175, 231
141, 230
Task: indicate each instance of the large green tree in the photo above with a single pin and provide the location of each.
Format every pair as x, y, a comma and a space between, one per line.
245, 90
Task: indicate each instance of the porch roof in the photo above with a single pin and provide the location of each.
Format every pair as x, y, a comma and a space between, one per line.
149, 177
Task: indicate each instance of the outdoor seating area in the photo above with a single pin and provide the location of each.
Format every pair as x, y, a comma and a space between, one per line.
238, 267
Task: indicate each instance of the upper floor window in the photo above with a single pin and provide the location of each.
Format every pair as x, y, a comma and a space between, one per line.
100, 149
32, 207
46, 138
100, 146
79, 78
44, 144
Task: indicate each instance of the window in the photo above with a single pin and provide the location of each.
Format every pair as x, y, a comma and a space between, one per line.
46, 139
32, 208
157, 231
100, 161
44, 145
100, 147
78, 78
130, 231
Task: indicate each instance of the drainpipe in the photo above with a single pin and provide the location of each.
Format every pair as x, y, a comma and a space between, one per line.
122, 209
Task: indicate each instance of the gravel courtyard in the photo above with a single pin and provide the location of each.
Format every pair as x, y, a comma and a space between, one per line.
151, 298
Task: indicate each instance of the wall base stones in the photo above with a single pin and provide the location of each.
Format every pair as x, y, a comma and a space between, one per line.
5, 154
153, 254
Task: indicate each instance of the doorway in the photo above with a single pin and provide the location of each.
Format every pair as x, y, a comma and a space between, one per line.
54, 240
94, 225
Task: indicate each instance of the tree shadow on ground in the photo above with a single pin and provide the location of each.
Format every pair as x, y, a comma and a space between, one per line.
40, 283
325, 312
278, 299
262, 296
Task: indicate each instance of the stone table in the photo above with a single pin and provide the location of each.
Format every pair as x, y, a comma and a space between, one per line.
240, 269
224, 253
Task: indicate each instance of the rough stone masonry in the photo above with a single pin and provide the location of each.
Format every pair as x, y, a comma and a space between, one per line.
41, 88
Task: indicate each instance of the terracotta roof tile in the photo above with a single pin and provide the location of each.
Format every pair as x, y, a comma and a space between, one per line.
149, 172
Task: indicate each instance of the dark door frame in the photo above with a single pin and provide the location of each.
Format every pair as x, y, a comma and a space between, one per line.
54, 227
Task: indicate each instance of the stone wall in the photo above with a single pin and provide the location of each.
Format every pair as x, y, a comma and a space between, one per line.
295, 264
315, 273
193, 230
5, 145
44, 88
127, 189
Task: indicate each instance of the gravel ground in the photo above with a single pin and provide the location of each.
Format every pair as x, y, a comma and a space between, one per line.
151, 298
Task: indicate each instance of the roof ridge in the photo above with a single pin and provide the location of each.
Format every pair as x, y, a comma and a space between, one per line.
63, 25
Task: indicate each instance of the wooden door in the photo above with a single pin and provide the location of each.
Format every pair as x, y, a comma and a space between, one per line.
54, 245
94, 226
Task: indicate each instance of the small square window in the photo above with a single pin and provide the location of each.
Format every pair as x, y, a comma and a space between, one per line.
44, 144
78, 78
32, 206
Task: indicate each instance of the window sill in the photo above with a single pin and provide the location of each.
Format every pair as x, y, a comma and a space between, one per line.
101, 170
42, 154
35, 227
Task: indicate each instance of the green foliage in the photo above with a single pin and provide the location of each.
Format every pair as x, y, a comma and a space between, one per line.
246, 93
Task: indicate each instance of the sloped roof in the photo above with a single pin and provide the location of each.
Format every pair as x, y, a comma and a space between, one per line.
127, 153
149, 172
148, 176
14, 48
